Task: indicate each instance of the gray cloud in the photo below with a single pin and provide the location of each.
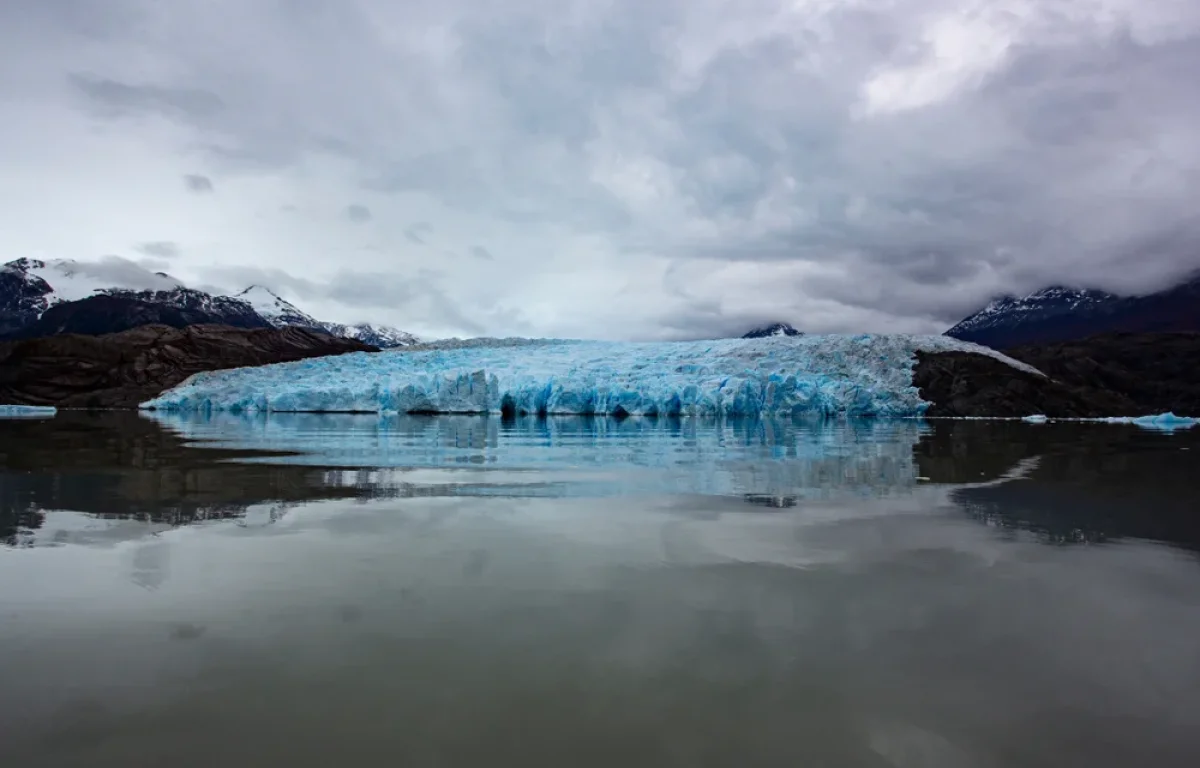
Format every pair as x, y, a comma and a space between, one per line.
115, 270
667, 169
416, 233
358, 213
357, 289
197, 183
116, 99
163, 249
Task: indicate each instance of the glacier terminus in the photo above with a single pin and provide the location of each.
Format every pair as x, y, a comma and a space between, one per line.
825, 375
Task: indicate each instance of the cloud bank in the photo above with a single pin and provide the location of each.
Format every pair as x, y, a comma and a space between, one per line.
681, 168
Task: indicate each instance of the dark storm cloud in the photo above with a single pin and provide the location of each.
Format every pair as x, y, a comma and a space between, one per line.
358, 213
198, 184
163, 249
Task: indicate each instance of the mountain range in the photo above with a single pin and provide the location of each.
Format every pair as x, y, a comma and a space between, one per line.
1060, 314
44, 298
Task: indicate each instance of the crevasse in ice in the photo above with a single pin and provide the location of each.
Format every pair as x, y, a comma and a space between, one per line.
824, 375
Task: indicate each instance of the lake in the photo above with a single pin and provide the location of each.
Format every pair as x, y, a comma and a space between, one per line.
302, 590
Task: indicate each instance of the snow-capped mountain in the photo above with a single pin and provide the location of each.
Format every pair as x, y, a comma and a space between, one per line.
232, 311
39, 298
281, 313
115, 294
382, 336
69, 280
275, 310
1063, 314
774, 329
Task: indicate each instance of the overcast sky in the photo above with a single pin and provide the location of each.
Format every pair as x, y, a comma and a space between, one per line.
609, 168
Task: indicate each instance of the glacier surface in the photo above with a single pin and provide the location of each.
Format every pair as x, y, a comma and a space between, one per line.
864, 375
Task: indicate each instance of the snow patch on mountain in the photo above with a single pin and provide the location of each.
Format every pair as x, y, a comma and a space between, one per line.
70, 280
275, 310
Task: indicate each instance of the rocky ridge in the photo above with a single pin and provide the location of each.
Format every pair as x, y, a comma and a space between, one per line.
122, 370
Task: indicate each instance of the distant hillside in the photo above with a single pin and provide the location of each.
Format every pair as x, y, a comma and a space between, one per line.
1061, 314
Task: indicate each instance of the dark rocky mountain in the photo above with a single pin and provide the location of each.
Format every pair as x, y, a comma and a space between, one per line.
39, 298
122, 370
1106, 375
1155, 372
774, 329
23, 298
1064, 314
122, 310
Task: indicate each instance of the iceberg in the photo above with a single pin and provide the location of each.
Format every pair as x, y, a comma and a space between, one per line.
26, 412
1162, 422
864, 375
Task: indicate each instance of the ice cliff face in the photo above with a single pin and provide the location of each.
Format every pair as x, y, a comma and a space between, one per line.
776, 376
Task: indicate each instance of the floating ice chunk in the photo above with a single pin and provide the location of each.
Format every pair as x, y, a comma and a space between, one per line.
1165, 422
1036, 418
779, 376
26, 412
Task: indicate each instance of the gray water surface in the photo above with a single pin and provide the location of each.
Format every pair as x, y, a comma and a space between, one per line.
355, 590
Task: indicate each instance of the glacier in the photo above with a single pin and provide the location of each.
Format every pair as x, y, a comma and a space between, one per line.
862, 375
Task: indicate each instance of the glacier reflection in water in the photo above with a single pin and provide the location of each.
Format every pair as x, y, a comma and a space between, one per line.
578, 456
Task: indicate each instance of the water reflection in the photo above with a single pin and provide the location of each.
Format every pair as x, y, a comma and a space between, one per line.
293, 591
1084, 484
92, 478
534, 443
97, 478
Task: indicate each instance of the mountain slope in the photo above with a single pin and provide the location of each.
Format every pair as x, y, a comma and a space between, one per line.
23, 298
121, 311
276, 311
121, 370
1061, 314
